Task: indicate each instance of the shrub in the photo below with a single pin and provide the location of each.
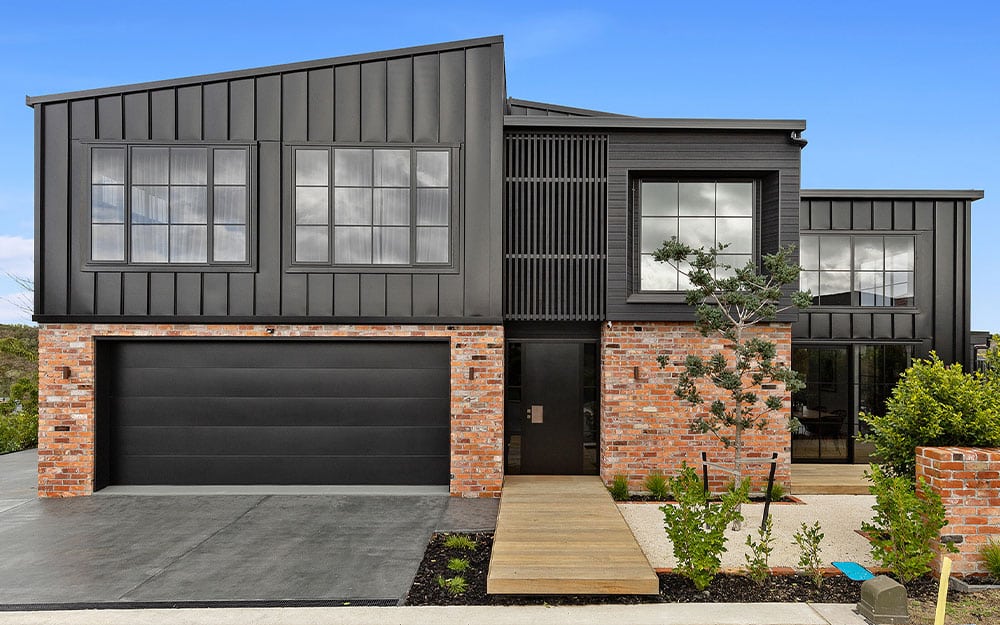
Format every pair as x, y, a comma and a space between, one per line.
905, 525
808, 539
619, 488
934, 405
760, 551
458, 564
18, 430
454, 585
697, 528
656, 485
458, 541
991, 556
777, 492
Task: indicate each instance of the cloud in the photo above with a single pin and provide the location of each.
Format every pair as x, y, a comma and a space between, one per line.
10, 312
17, 256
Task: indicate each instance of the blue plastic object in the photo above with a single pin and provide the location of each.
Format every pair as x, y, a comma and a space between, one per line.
854, 571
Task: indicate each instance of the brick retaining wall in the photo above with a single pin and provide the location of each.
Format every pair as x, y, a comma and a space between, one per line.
968, 480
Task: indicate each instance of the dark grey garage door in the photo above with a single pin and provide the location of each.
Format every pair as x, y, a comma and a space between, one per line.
273, 412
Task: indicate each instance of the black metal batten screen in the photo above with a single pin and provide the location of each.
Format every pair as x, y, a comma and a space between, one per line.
555, 200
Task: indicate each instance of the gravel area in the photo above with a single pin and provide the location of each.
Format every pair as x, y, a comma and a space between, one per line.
839, 516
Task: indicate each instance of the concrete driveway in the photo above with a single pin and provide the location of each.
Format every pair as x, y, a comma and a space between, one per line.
208, 548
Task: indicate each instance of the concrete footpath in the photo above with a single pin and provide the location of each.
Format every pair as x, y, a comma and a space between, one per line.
648, 614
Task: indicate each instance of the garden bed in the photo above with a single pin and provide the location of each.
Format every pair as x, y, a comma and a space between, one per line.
787, 499
726, 588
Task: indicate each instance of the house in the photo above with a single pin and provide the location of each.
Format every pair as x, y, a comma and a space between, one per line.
379, 269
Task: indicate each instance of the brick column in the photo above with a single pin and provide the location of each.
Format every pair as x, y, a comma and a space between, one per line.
645, 428
968, 481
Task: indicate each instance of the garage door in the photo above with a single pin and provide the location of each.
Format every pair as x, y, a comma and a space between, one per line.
273, 412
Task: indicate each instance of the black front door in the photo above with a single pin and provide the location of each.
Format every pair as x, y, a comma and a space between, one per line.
551, 408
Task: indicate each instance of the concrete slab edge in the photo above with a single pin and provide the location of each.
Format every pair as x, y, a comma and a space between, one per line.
647, 614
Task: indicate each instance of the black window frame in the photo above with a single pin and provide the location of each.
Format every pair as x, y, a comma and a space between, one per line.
635, 293
84, 184
856, 304
455, 200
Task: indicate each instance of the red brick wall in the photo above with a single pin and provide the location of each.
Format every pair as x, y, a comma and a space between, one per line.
645, 428
968, 480
66, 405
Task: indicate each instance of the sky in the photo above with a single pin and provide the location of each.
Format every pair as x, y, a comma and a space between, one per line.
896, 94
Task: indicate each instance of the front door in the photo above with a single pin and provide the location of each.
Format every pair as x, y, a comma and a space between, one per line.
552, 425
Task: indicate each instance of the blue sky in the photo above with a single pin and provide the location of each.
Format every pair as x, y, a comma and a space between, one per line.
896, 94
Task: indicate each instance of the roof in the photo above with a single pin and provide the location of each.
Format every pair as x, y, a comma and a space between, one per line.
542, 109
651, 123
264, 71
890, 194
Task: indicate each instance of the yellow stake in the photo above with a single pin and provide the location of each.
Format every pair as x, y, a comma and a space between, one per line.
942, 591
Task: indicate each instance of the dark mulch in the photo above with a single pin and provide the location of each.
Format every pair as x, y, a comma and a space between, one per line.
753, 499
725, 588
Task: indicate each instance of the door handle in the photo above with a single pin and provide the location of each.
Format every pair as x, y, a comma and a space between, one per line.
535, 414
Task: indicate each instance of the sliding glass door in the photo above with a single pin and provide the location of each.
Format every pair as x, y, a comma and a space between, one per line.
841, 382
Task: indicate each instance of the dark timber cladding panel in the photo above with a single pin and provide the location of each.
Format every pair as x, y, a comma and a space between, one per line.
450, 94
554, 217
765, 155
939, 319
276, 412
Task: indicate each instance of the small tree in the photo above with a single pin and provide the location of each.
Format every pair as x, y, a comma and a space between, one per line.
728, 302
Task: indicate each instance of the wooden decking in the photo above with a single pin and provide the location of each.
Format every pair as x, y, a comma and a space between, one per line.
829, 479
564, 535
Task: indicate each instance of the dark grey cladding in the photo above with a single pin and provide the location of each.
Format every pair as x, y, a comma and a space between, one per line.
444, 95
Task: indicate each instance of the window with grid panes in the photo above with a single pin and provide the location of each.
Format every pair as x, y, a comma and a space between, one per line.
699, 214
153, 205
372, 206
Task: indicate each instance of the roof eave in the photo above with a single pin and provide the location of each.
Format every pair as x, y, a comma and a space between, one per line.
651, 123
889, 194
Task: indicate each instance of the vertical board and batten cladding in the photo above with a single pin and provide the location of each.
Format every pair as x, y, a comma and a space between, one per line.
764, 155
554, 212
451, 94
939, 319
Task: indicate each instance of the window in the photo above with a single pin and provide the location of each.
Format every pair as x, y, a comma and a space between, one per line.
372, 206
178, 205
858, 270
700, 214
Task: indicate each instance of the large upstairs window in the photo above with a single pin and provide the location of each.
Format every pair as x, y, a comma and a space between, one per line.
184, 205
372, 206
700, 214
858, 270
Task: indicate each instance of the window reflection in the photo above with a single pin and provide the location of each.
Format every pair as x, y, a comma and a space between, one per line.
709, 213
880, 274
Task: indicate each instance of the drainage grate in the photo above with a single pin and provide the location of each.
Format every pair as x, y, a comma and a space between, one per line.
148, 605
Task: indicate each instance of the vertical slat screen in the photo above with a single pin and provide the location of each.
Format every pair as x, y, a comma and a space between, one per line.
554, 211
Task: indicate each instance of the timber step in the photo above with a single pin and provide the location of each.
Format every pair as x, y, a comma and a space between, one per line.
829, 479
564, 535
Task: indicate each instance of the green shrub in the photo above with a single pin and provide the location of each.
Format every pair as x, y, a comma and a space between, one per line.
760, 551
934, 405
454, 585
808, 539
458, 564
697, 528
991, 556
458, 541
906, 525
656, 485
777, 492
619, 488
18, 430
